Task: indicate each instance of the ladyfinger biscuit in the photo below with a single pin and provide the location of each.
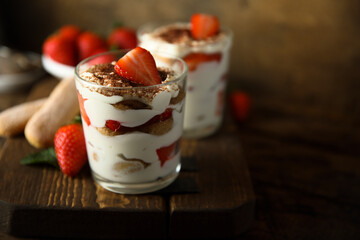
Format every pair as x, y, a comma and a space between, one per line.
59, 109
14, 119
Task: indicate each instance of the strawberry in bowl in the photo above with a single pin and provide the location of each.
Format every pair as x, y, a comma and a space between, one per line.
59, 56
63, 50
122, 38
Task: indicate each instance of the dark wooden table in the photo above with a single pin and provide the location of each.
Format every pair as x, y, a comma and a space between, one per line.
304, 162
299, 61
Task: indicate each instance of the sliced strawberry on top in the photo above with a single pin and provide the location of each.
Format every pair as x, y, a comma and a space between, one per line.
194, 59
138, 66
204, 26
82, 109
122, 38
60, 50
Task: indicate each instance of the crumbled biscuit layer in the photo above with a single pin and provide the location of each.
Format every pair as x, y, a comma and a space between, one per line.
179, 97
131, 104
142, 162
127, 167
135, 104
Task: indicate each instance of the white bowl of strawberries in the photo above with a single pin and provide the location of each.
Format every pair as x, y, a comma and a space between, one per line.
63, 50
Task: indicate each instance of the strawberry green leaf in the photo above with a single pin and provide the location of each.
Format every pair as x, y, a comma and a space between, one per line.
114, 47
46, 156
77, 119
117, 24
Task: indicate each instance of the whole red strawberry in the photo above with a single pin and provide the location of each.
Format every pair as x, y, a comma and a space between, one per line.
60, 50
88, 43
122, 38
70, 32
240, 105
70, 149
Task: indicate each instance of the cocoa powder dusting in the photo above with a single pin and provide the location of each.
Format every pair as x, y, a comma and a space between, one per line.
174, 35
105, 75
181, 33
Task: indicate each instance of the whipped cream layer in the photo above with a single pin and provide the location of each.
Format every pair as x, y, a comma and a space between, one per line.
99, 107
205, 95
106, 152
181, 44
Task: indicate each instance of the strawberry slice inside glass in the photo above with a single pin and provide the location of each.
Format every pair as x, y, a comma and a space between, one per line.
193, 60
82, 109
116, 125
168, 152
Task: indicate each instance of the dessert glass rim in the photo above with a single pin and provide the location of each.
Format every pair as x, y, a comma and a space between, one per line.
176, 79
154, 25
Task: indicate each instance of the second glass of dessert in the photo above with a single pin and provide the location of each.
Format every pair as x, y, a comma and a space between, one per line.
132, 107
205, 47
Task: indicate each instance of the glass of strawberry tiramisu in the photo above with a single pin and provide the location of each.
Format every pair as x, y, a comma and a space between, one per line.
205, 47
132, 107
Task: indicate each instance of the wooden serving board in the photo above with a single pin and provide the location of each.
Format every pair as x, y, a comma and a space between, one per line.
39, 201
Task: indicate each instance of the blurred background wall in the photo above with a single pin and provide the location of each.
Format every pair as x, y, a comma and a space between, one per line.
303, 51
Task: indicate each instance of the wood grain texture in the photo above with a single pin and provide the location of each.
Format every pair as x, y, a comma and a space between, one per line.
43, 198
225, 206
299, 61
36, 200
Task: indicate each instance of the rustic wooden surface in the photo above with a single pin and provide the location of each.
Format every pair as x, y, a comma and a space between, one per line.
44, 196
299, 61
305, 174
218, 177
